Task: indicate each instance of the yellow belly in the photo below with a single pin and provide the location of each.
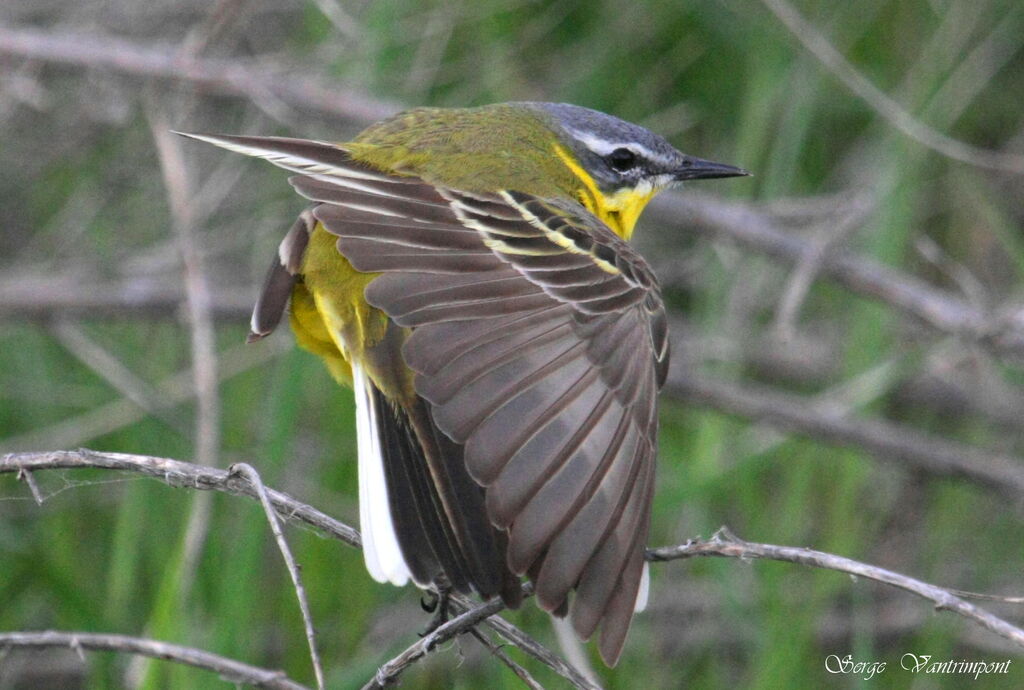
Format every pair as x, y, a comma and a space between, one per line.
329, 315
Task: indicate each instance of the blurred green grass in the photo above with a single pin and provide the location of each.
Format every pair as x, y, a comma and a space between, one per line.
723, 80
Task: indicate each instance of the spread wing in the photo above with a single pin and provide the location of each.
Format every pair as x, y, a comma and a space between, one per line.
539, 338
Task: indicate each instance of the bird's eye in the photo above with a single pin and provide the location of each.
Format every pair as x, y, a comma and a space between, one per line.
622, 159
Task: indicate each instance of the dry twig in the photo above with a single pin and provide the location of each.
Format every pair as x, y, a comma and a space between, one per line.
187, 475
495, 649
253, 477
390, 671
180, 474
229, 669
197, 293
471, 614
724, 543
46, 297
526, 643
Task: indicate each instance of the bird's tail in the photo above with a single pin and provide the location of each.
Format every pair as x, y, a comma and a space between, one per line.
434, 512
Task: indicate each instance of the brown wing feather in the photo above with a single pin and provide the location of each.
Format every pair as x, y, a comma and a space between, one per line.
620, 548
539, 341
619, 613
568, 554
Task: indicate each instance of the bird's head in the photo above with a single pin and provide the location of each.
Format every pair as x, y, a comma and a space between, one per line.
620, 166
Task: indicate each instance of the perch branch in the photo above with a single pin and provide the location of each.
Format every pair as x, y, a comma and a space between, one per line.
229, 669
472, 613
495, 649
526, 643
390, 671
725, 544
183, 474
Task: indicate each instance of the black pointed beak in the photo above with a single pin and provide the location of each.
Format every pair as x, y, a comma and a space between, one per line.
700, 169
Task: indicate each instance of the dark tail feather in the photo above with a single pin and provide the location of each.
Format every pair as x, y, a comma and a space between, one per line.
483, 545
424, 535
437, 509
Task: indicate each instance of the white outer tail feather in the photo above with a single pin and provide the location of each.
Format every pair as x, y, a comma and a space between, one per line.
381, 551
645, 589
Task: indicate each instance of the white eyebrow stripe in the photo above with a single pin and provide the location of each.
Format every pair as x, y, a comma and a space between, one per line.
603, 147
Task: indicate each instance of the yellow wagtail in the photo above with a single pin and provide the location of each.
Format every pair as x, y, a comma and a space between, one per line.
467, 272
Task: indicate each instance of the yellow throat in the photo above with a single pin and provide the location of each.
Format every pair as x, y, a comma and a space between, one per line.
620, 210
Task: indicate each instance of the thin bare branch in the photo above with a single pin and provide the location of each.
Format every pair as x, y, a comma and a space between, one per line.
246, 470
754, 229
820, 47
724, 543
254, 81
202, 338
40, 297
197, 292
831, 234
180, 474
213, 25
495, 649
964, 594
229, 669
529, 645
471, 614
187, 475
390, 671
1004, 474
30, 482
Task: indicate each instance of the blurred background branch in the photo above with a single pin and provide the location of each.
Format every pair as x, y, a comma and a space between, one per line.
256, 82
228, 669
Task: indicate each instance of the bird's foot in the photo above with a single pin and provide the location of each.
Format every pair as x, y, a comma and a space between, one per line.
429, 602
439, 607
